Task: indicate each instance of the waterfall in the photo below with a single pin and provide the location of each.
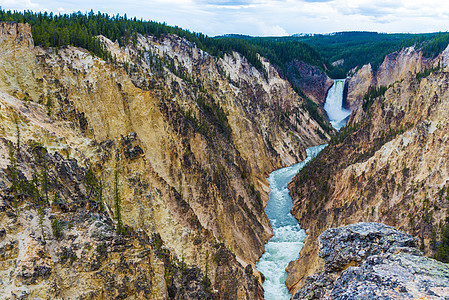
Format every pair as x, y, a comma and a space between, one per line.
338, 115
288, 237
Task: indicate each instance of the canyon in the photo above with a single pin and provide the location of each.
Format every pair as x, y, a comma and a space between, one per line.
390, 165
146, 176
167, 142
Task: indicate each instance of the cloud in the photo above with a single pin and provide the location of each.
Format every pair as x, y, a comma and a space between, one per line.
273, 30
18, 5
266, 17
226, 2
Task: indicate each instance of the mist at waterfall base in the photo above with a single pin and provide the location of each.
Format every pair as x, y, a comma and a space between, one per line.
333, 106
288, 237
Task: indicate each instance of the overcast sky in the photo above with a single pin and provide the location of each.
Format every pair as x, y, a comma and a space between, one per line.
266, 17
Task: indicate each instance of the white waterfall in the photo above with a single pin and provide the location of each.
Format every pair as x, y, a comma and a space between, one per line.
338, 115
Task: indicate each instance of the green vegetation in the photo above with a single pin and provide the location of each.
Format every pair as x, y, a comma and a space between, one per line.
23, 188
102, 249
13, 175
44, 174
81, 30
313, 110
56, 228
16, 122
94, 188
117, 202
361, 48
335, 54
49, 105
198, 124
436, 45
372, 93
442, 253
282, 51
216, 114
206, 280
425, 73
350, 49
211, 119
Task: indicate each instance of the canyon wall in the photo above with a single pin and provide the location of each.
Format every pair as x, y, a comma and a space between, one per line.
396, 67
312, 81
388, 165
180, 143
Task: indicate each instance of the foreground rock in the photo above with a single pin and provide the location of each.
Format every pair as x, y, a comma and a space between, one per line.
374, 261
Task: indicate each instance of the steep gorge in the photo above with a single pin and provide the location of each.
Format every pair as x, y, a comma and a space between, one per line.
188, 139
389, 165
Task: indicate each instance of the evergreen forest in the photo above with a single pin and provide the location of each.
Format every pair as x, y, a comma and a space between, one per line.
336, 54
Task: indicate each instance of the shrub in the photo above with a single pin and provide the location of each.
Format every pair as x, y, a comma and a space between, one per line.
56, 227
442, 253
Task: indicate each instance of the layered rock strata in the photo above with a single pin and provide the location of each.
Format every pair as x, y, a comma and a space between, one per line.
312, 81
187, 139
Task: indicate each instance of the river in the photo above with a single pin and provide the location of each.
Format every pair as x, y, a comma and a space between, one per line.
288, 237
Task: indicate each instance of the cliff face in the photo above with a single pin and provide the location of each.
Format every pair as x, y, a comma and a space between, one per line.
358, 85
371, 260
396, 66
187, 138
388, 165
309, 79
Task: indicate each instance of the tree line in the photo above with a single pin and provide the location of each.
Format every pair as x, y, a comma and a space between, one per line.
81, 30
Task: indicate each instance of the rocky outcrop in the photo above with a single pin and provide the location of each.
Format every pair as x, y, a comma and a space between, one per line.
396, 67
388, 166
442, 60
309, 79
400, 65
374, 261
186, 137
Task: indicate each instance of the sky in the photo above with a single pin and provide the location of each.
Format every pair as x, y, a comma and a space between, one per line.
265, 17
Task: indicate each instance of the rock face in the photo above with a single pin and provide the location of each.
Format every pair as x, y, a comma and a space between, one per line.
374, 261
59, 241
309, 79
358, 85
399, 65
389, 166
396, 67
58, 238
185, 137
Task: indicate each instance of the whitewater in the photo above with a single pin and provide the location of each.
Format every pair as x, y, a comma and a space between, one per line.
333, 106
